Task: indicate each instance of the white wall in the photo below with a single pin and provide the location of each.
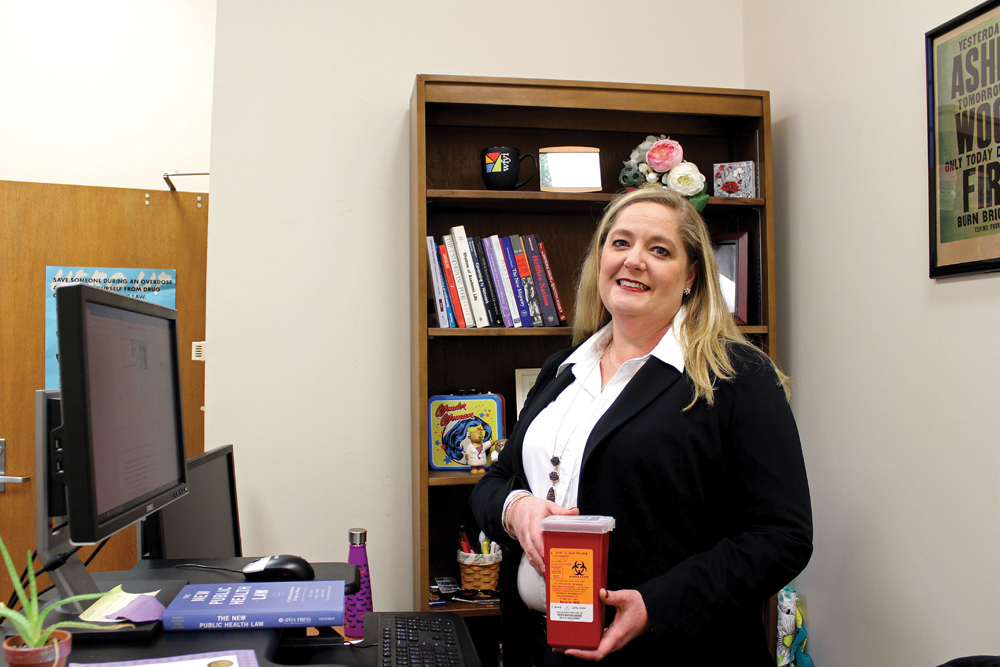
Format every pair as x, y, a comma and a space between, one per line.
308, 265
896, 389
109, 93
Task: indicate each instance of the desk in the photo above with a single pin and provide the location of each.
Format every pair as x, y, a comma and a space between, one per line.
265, 642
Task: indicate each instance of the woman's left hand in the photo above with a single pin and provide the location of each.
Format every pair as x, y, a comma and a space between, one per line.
631, 620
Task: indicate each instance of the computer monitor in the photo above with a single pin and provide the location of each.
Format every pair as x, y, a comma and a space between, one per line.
203, 524
118, 453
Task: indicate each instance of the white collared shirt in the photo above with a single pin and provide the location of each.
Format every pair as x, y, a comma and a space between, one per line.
563, 427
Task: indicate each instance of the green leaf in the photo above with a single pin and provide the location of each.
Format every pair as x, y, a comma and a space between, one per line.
75, 598
14, 578
32, 587
20, 623
700, 200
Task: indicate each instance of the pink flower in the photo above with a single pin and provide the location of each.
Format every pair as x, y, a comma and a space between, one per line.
664, 155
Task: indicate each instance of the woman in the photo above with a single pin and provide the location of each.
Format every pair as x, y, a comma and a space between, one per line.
663, 417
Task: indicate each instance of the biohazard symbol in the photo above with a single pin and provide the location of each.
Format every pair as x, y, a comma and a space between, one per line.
579, 569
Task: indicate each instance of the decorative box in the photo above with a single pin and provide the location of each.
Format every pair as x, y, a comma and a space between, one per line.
735, 179
460, 424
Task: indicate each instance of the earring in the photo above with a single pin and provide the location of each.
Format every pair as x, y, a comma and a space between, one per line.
687, 291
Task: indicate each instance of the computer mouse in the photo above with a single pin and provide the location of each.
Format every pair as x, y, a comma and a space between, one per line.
284, 567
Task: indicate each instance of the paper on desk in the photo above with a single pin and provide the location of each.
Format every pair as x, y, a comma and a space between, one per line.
116, 604
240, 658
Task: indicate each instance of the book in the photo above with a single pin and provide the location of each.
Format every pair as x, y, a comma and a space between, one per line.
437, 279
491, 292
515, 281
481, 279
457, 275
466, 268
549, 315
276, 604
552, 281
452, 322
524, 271
449, 277
505, 279
491, 261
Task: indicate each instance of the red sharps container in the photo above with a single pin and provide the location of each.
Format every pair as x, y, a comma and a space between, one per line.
576, 566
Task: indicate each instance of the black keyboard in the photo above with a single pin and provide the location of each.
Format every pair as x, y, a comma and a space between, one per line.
423, 639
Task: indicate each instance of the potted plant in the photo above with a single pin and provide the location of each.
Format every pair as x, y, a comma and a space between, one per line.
36, 644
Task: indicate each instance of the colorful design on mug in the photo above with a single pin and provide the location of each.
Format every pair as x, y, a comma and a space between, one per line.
497, 162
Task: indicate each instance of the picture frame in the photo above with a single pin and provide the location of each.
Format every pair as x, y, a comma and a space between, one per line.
569, 169
732, 254
963, 169
524, 380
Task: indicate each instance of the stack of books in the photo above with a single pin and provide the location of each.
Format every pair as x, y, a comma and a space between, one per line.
494, 281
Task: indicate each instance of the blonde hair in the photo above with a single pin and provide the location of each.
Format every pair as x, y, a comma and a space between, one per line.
709, 328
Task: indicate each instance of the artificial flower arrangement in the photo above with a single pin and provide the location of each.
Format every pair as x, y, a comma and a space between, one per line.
658, 162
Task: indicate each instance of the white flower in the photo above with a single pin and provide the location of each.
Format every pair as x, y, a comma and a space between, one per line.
644, 168
652, 177
685, 179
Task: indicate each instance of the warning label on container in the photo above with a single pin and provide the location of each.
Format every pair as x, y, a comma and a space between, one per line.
571, 585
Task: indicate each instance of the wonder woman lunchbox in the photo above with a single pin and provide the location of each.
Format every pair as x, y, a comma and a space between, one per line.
463, 428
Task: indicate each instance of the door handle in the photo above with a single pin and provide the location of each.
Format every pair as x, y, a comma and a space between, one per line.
4, 479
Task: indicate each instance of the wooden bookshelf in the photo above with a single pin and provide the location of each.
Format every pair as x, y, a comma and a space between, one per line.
451, 119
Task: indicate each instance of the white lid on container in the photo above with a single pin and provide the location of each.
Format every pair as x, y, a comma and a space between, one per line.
589, 523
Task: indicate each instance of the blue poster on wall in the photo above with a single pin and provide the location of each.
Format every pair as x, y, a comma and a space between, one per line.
154, 285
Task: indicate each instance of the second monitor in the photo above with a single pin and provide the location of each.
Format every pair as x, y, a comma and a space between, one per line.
203, 524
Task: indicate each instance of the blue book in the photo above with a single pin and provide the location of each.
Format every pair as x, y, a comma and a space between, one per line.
515, 279
279, 604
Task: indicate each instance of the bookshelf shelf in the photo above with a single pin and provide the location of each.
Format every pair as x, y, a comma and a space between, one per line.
451, 119
451, 477
534, 202
501, 331
470, 608
433, 332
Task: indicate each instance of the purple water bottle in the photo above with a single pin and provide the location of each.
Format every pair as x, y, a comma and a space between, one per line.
357, 605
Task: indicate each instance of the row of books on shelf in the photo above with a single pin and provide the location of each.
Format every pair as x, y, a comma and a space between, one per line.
493, 281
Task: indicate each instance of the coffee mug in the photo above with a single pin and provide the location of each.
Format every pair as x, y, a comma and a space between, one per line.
501, 167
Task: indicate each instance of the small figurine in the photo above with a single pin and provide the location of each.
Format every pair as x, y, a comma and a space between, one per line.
476, 451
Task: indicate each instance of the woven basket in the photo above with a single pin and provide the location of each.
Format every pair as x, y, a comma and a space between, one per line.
479, 571
480, 577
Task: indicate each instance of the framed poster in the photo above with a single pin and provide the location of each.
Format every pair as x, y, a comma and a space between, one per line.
570, 169
732, 254
963, 141
524, 380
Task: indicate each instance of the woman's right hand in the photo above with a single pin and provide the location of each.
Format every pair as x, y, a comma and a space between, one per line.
526, 523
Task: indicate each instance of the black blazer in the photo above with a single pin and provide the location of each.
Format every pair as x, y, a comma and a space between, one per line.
711, 508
